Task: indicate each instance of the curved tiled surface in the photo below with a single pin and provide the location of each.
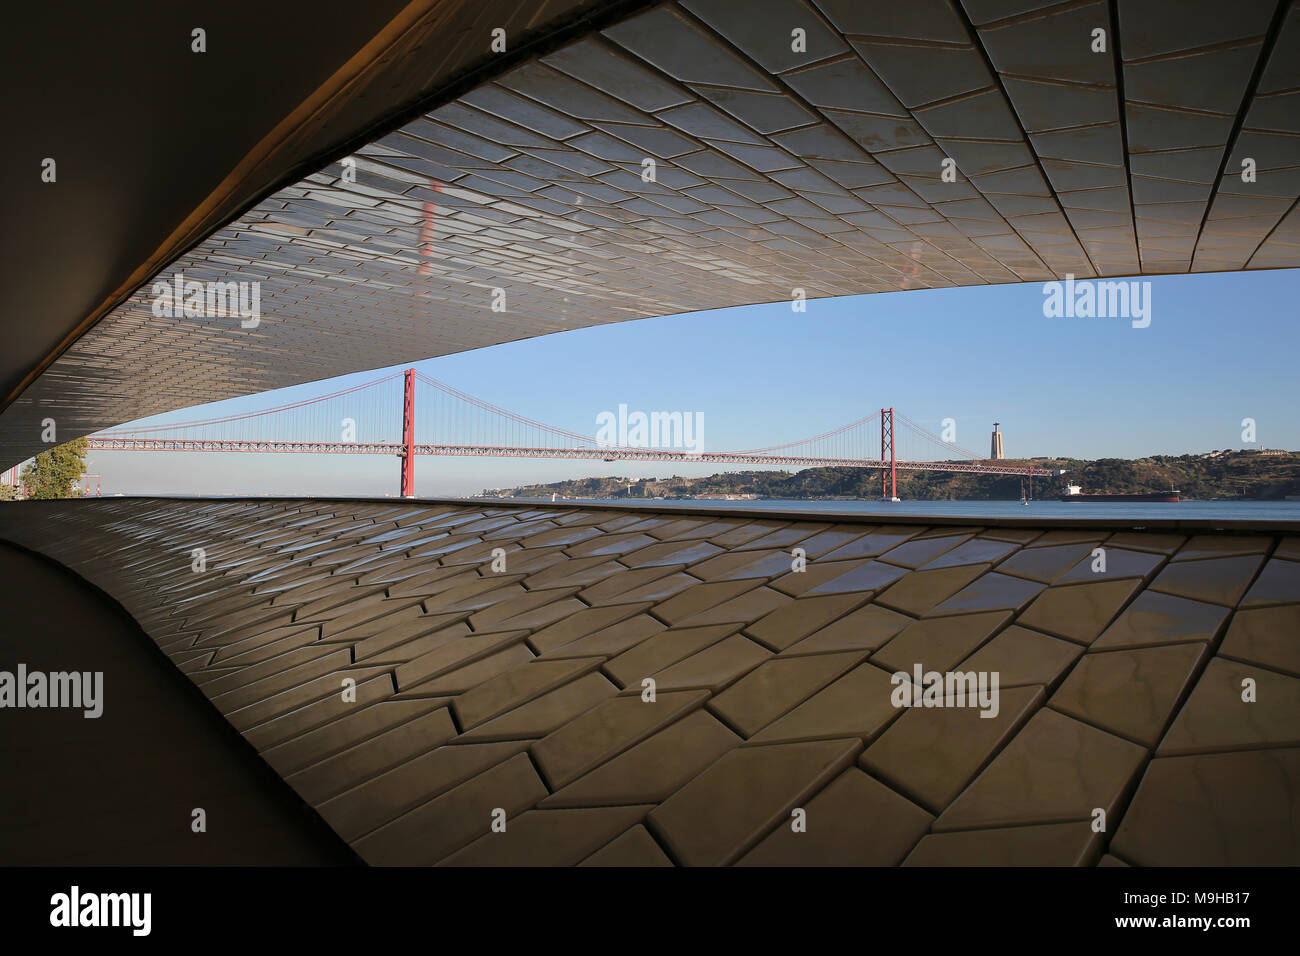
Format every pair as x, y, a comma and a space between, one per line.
517, 690
781, 163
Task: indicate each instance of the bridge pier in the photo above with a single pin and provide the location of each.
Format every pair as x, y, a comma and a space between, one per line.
407, 453
888, 475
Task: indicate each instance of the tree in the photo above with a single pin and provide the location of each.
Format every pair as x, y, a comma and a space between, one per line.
55, 473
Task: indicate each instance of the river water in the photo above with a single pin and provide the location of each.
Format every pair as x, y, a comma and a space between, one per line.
1053, 510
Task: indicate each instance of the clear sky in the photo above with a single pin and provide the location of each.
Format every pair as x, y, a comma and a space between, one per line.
1219, 348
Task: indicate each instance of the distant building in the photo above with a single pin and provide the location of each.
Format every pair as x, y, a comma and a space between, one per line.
995, 450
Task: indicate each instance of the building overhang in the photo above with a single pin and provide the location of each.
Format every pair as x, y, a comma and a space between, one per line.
619, 161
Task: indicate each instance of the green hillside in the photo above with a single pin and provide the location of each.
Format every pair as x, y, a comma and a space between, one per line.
1229, 475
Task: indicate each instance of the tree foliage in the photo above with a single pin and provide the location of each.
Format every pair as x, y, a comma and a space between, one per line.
57, 472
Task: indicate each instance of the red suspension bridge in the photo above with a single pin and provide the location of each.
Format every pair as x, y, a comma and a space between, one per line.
359, 421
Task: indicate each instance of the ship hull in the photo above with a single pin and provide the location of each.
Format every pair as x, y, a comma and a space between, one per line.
1170, 497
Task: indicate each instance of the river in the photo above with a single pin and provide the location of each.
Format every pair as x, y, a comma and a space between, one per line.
1279, 511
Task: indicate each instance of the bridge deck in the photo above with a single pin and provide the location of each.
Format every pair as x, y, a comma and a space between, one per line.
519, 689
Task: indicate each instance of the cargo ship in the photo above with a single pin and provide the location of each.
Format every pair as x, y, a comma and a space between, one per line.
1075, 493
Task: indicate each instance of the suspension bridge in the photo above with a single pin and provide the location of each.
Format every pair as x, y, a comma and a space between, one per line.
360, 420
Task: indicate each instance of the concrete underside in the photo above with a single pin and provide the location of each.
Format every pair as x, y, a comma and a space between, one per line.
121, 788
516, 692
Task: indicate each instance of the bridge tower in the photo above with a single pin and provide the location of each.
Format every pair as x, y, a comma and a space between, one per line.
888, 486
408, 434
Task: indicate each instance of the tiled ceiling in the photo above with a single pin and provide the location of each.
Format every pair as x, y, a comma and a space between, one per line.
795, 146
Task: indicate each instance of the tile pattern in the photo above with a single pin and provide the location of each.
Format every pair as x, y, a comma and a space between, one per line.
415, 697
777, 166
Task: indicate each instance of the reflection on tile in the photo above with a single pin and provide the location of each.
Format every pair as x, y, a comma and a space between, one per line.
1045, 564
871, 545
866, 577
1216, 717
937, 643
700, 598
1056, 769
866, 629
1146, 541
918, 551
1217, 580
1020, 656
932, 753
714, 667
1079, 612
1110, 563
777, 686
1278, 583
663, 650
920, 591
817, 573
582, 623
609, 641
1131, 693
856, 705
1079, 536
976, 551
1215, 546
991, 592
1155, 618
1266, 636
796, 620
743, 609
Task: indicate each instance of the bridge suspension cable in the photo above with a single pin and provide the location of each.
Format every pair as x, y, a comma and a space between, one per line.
874, 416
245, 416
920, 432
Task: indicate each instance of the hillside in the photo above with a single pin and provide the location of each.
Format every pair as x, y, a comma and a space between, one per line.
1227, 475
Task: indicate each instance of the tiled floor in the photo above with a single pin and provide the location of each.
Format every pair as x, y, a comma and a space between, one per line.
467, 684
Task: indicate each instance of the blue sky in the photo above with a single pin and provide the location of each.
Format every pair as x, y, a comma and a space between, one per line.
1219, 348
